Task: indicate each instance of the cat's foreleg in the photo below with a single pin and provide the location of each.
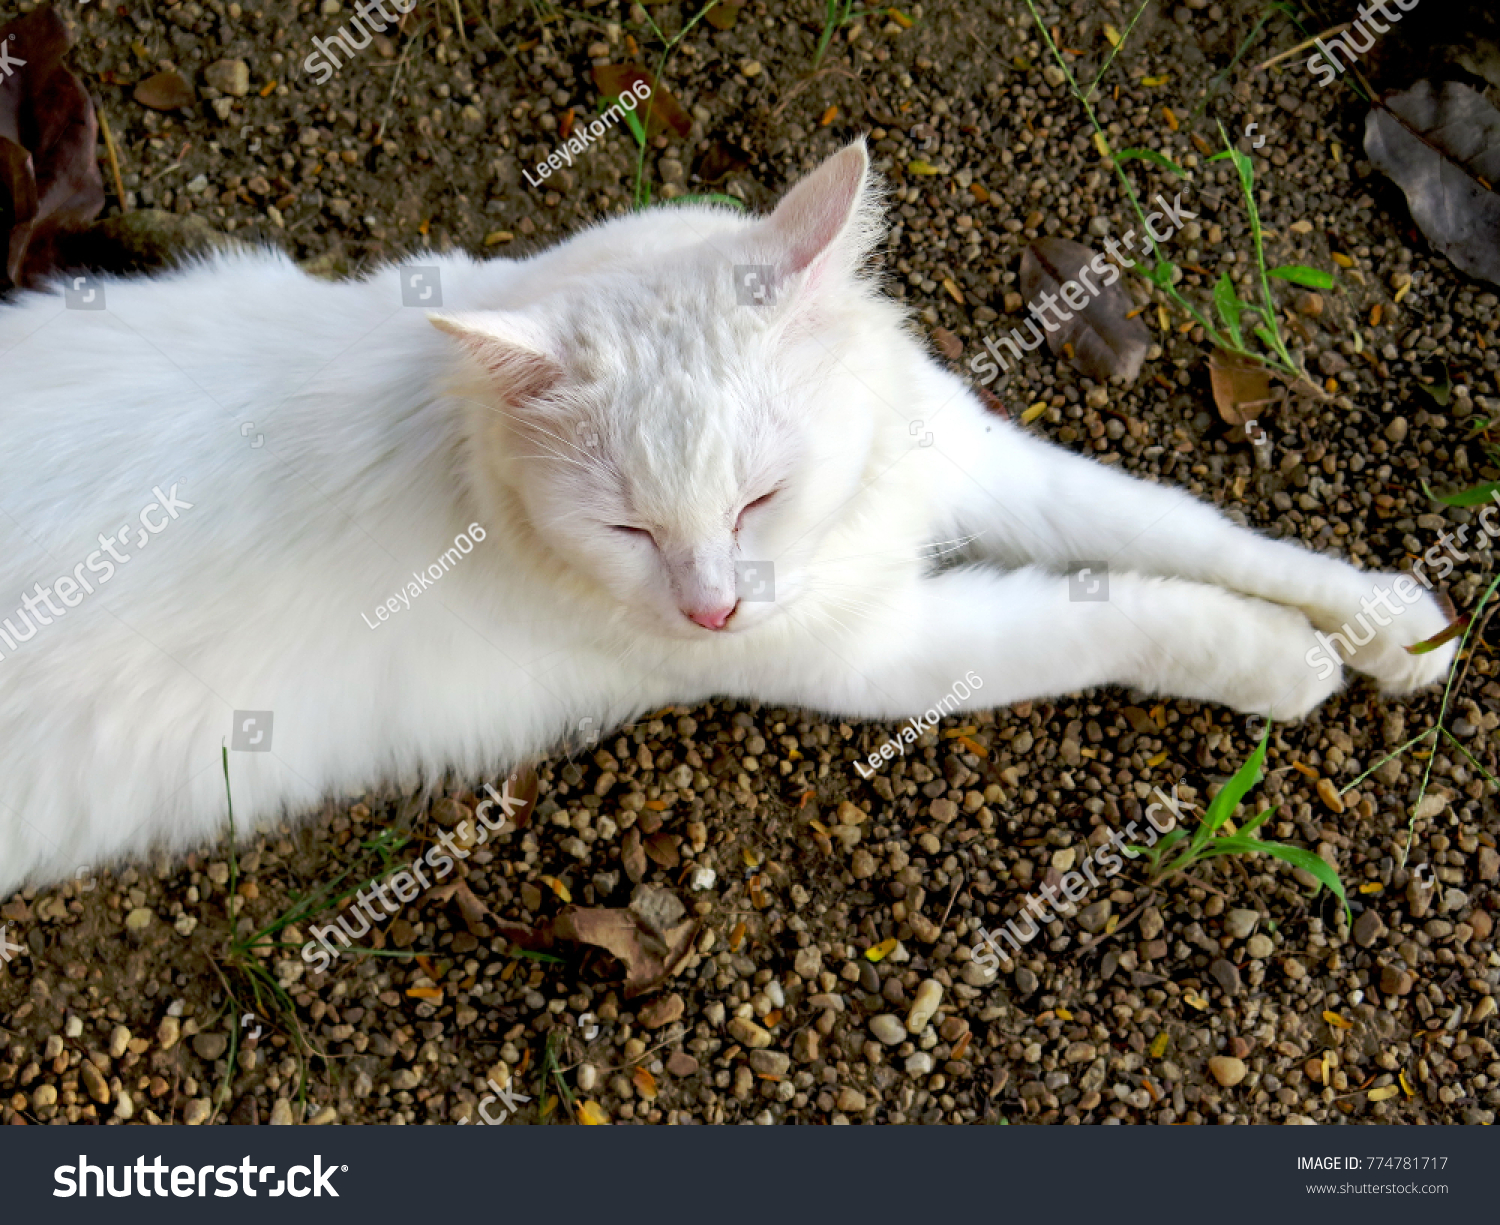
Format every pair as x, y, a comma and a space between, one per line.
1060, 510
1023, 635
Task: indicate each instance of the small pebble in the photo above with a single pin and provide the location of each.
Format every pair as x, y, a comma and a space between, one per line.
1228, 1070
924, 1005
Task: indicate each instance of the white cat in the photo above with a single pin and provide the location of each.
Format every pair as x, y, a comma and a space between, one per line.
694, 448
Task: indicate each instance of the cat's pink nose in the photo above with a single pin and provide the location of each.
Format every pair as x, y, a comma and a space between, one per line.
713, 618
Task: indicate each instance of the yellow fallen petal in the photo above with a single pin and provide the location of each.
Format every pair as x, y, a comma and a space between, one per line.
1112, 34
1193, 999
1110, 924
1159, 1044
591, 1114
1403, 291
1383, 1094
1342, 260
882, 950
922, 168
1035, 411
1158, 759
1163, 319
1337, 1021
1101, 144
1405, 1084
1153, 81
1170, 118
900, 18
557, 887
1371, 886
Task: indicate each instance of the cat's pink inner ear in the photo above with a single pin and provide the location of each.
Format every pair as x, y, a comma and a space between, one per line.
821, 210
513, 358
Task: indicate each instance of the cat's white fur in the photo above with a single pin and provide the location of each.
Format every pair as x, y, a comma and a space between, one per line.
615, 381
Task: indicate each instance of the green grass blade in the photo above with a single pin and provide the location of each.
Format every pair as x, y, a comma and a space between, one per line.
1299, 274
1152, 156
1306, 860
1230, 308
1233, 792
1465, 497
1259, 819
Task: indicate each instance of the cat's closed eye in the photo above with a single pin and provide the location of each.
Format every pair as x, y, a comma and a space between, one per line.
639, 532
760, 501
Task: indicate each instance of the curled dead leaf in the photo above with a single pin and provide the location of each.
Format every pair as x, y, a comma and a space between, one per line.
1106, 342
1440, 143
49, 176
1241, 386
165, 91
652, 937
660, 112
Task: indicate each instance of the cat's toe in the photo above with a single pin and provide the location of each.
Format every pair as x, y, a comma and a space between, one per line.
1375, 639
1283, 679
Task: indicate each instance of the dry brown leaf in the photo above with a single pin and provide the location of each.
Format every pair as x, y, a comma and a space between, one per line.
1106, 342
166, 91
652, 937
475, 913
522, 785
662, 849
49, 176
1242, 387
661, 109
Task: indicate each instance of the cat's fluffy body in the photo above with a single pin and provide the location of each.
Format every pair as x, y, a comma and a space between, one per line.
612, 382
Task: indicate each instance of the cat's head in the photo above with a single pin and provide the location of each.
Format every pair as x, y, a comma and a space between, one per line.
684, 405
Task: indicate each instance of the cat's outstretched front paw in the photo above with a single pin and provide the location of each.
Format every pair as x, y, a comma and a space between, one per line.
1281, 676
1392, 613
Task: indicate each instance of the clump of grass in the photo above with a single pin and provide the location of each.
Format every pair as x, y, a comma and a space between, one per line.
1231, 333
641, 190
1439, 730
1217, 836
249, 985
836, 15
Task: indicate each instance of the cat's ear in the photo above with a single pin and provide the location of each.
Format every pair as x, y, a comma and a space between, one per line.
830, 217
507, 349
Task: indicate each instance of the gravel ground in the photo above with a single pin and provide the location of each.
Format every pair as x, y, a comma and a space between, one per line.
1234, 996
